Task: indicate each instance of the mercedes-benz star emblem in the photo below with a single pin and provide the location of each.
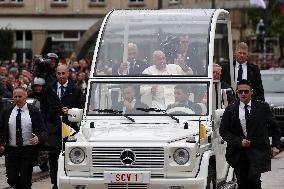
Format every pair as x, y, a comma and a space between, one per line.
127, 157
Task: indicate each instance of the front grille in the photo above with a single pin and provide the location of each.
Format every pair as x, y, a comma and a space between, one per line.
146, 157
127, 186
278, 112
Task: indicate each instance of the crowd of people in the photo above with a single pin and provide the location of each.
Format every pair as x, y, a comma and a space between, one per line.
14, 75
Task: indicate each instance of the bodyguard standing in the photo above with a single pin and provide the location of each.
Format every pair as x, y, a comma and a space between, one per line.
244, 127
243, 69
21, 130
58, 98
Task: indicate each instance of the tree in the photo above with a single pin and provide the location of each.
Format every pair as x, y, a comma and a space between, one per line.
273, 19
7, 42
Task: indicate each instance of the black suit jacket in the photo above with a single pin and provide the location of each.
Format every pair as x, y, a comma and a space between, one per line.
139, 67
38, 126
52, 110
261, 120
253, 76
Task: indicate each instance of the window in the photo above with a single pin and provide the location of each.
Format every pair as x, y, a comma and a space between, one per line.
136, 2
96, 2
11, 1
174, 2
59, 3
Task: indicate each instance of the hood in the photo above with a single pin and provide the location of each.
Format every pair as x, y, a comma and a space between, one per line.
275, 99
135, 133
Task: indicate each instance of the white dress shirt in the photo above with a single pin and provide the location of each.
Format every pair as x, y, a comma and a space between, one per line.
245, 71
26, 124
59, 89
242, 116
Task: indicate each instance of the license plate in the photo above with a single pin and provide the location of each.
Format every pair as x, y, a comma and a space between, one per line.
127, 177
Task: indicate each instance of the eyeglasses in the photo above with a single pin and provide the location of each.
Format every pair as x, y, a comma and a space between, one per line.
243, 91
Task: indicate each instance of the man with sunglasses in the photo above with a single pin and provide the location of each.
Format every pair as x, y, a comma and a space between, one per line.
244, 127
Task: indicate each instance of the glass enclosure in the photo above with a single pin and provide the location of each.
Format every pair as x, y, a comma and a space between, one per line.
172, 42
117, 98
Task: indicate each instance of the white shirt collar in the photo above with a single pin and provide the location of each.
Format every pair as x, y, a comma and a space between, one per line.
64, 85
25, 107
242, 105
243, 64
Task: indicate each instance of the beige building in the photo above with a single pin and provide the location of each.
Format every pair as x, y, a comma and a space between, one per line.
63, 26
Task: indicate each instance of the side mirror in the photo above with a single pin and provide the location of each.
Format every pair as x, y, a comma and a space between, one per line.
75, 114
218, 117
225, 96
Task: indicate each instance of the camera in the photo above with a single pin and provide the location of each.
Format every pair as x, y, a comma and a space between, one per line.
170, 47
40, 66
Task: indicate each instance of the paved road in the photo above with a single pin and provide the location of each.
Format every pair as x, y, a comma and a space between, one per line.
270, 180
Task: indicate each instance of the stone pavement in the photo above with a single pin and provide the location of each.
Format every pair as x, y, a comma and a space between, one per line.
270, 180
41, 184
275, 178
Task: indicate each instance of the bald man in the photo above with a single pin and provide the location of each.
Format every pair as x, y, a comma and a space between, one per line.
58, 98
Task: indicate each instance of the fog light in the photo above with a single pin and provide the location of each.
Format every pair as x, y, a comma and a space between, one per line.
177, 187
79, 186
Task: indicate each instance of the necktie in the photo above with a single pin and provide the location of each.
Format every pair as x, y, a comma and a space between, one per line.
19, 137
131, 67
247, 114
61, 91
240, 73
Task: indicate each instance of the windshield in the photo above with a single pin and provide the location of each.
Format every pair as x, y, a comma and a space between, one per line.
273, 83
168, 43
135, 98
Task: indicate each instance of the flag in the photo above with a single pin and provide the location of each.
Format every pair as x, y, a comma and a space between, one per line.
259, 3
65, 130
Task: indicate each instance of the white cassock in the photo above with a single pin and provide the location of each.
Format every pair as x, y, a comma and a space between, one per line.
165, 93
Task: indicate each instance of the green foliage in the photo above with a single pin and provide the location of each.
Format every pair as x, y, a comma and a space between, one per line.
6, 44
273, 19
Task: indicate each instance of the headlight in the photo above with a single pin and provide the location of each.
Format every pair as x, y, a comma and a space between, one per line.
77, 155
181, 156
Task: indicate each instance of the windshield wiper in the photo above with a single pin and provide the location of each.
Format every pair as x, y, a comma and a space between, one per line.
158, 110
117, 112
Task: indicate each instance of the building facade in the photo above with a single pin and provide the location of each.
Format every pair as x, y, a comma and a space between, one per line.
64, 26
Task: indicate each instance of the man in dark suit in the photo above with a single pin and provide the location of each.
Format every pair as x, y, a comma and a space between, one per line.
21, 130
133, 66
181, 93
130, 102
58, 98
243, 69
244, 127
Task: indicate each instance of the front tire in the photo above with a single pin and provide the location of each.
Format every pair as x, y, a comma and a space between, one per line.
211, 178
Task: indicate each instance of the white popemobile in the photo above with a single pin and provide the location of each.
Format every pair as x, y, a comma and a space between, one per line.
156, 127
